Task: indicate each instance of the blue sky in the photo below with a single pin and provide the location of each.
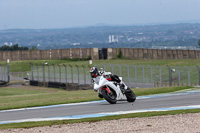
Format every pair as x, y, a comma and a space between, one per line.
43, 14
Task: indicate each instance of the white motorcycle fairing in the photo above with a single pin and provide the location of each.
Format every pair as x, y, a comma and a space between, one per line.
110, 84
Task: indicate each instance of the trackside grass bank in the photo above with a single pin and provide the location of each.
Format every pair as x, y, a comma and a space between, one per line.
115, 117
29, 96
21, 66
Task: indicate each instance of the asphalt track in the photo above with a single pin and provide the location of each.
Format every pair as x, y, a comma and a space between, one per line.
91, 109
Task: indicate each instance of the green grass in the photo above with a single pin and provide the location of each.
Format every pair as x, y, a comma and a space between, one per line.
21, 66
115, 117
17, 91
12, 98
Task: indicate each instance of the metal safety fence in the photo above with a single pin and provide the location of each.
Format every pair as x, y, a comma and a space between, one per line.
61, 73
4, 73
19, 76
136, 76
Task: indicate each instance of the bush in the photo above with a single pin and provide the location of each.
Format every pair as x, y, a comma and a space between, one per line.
119, 55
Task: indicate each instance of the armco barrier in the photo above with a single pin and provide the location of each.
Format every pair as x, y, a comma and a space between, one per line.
33, 83
56, 85
68, 86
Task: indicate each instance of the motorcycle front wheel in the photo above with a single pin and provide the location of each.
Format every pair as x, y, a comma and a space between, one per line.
110, 97
130, 95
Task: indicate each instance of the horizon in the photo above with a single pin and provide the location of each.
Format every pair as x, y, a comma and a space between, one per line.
102, 25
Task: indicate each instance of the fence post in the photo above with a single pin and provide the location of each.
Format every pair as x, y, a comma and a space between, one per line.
65, 73
18, 76
179, 75
90, 75
84, 74
2, 68
0, 72
71, 72
8, 72
104, 67
112, 68
32, 76
49, 73
143, 73
160, 75
78, 72
188, 75
128, 73
170, 75
37, 72
151, 74
43, 72
54, 73
120, 73
59, 73
135, 74
199, 73
3, 72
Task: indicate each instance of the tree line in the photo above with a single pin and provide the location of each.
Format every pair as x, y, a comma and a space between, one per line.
16, 47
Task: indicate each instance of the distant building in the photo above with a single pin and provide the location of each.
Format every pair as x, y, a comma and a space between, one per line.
76, 43
113, 39
6, 43
110, 39
175, 47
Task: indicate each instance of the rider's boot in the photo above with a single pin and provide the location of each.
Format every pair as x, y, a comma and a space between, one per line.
121, 85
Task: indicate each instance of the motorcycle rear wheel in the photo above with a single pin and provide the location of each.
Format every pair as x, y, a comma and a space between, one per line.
110, 97
130, 95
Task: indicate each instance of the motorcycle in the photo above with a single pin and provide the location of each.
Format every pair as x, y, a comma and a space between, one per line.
110, 90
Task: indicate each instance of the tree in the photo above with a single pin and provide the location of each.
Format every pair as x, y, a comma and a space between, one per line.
199, 43
119, 55
33, 48
12, 48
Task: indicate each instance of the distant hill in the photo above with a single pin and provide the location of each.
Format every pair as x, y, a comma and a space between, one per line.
145, 36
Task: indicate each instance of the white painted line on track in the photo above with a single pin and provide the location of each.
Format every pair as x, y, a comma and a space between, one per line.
52, 106
101, 114
169, 94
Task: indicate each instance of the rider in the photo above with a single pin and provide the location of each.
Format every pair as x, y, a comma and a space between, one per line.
95, 73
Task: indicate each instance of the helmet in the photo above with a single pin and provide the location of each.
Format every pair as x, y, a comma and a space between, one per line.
94, 72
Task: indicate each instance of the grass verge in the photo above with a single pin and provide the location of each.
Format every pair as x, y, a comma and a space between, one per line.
22, 66
115, 117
